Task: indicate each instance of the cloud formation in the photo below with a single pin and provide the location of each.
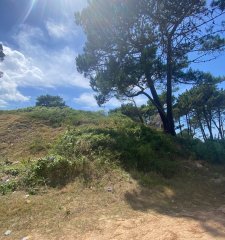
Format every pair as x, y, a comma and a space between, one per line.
33, 65
88, 101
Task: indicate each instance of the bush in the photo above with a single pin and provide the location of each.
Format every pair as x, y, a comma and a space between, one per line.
56, 171
9, 186
160, 162
212, 151
134, 146
57, 117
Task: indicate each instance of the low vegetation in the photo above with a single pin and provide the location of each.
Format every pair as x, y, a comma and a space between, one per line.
94, 145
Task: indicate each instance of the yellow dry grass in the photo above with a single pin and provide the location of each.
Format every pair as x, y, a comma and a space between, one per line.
17, 133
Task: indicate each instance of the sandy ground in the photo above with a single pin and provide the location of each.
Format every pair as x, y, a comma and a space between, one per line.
146, 226
86, 219
205, 226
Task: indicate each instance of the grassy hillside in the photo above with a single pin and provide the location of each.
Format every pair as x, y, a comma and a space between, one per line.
80, 168
54, 146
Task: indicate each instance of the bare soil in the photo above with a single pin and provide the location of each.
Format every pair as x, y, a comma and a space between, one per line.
129, 212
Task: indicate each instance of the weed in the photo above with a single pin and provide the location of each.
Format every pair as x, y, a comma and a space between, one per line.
39, 145
8, 186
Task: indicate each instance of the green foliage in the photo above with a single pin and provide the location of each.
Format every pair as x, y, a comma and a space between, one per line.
9, 186
160, 162
143, 47
203, 107
212, 151
50, 101
57, 117
133, 146
39, 145
56, 170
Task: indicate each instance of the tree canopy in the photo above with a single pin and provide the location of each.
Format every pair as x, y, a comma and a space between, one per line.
203, 109
2, 55
50, 101
146, 47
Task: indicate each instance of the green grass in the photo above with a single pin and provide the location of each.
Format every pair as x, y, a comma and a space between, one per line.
95, 144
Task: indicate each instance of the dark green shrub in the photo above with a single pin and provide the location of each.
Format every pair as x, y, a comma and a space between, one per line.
152, 159
133, 145
212, 151
56, 117
56, 171
9, 186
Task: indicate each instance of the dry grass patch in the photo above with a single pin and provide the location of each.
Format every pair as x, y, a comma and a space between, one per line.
19, 135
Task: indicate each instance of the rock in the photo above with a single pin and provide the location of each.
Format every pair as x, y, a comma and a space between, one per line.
5, 179
26, 238
8, 232
199, 165
109, 189
27, 196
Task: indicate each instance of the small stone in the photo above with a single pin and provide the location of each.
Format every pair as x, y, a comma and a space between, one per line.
27, 196
26, 238
109, 189
8, 232
199, 165
28, 201
5, 178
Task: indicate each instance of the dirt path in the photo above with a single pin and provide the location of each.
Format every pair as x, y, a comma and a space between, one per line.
129, 213
206, 226
147, 226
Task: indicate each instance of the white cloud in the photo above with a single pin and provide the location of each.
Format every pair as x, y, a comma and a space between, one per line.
3, 104
35, 66
140, 100
59, 30
87, 100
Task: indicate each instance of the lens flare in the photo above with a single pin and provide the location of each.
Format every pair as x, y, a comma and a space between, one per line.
29, 9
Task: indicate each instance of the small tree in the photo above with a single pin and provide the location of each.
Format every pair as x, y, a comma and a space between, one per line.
50, 101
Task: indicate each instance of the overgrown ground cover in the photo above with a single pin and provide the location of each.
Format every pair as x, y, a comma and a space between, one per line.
84, 168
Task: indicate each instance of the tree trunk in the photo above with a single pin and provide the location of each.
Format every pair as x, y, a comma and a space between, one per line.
208, 124
180, 127
171, 127
158, 105
201, 127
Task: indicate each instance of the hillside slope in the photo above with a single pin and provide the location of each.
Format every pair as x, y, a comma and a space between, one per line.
18, 133
116, 198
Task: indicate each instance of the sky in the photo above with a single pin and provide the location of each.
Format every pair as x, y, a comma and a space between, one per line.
41, 41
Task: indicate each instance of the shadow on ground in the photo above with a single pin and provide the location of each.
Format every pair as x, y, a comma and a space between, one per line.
194, 197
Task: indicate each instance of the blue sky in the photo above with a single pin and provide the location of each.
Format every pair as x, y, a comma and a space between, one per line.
41, 41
